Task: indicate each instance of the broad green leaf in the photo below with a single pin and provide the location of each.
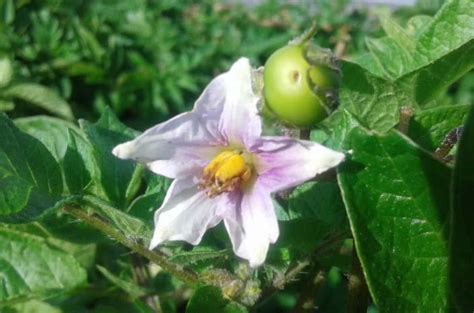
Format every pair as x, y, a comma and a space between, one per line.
450, 29
397, 200
32, 306
209, 299
31, 268
418, 24
132, 289
40, 96
397, 33
84, 253
372, 100
115, 174
145, 205
78, 164
429, 127
51, 131
321, 200
462, 234
393, 54
431, 52
30, 178
315, 212
6, 71
334, 129
392, 57
6, 105
427, 82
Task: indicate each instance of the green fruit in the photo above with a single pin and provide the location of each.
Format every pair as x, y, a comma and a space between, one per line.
296, 90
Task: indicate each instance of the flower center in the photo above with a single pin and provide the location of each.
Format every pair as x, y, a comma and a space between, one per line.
226, 172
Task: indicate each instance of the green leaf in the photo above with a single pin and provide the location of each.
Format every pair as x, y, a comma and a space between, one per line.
432, 52
397, 200
78, 164
32, 306
40, 96
315, 212
334, 129
8, 14
462, 234
321, 200
115, 174
132, 289
30, 178
392, 58
6, 71
427, 82
394, 31
51, 131
450, 29
373, 101
84, 253
6, 105
30, 268
145, 205
209, 299
429, 127
129, 225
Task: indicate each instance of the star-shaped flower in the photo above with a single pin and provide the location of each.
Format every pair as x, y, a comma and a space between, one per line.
223, 168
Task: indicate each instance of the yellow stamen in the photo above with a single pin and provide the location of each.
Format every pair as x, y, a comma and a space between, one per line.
226, 172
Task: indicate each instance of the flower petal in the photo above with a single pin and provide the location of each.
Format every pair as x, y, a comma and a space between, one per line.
284, 163
183, 145
240, 122
253, 225
176, 148
185, 214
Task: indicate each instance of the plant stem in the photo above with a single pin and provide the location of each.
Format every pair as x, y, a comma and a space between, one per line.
156, 257
358, 298
307, 300
406, 114
305, 134
298, 268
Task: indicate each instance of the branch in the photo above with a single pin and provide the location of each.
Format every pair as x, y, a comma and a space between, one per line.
358, 298
159, 258
298, 268
307, 300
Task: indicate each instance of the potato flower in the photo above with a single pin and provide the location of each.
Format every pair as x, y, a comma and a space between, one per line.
223, 168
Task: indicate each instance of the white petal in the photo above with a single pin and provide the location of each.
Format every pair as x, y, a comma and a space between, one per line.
253, 225
177, 148
284, 163
183, 145
186, 214
240, 122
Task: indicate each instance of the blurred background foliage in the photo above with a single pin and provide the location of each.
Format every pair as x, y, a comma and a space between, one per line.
148, 61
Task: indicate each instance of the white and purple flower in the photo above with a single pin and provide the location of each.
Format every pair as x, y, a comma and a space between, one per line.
223, 168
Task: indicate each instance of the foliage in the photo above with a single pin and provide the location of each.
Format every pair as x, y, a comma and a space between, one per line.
147, 60
75, 221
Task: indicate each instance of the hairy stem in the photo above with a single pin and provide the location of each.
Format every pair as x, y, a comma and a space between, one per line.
156, 257
406, 113
358, 299
307, 301
305, 134
300, 266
